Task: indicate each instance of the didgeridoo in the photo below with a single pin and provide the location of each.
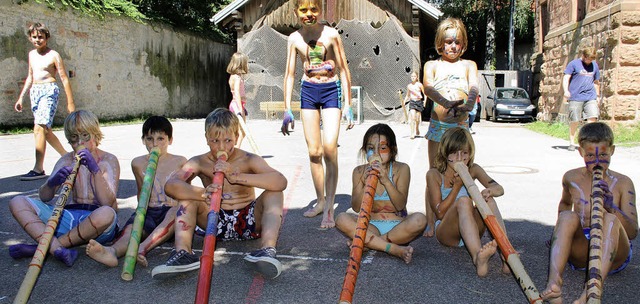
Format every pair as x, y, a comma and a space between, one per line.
245, 128
594, 282
508, 252
357, 244
130, 258
45, 240
206, 260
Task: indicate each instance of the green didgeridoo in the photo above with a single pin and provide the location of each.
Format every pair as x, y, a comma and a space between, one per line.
130, 257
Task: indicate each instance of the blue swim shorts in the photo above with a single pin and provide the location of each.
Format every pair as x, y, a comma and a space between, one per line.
437, 128
44, 101
384, 226
587, 234
153, 218
320, 95
72, 216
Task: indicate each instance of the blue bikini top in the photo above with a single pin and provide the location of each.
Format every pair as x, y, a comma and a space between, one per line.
446, 191
385, 196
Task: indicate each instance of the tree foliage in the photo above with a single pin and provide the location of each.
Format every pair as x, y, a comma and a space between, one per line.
189, 15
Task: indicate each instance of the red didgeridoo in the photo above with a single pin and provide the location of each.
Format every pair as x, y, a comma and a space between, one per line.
357, 245
206, 260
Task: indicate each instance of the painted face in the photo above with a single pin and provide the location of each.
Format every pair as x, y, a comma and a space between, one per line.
224, 141
39, 40
157, 139
377, 145
462, 155
596, 154
452, 46
82, 138
308, 12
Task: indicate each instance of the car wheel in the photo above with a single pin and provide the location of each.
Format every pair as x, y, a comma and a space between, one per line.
494, 118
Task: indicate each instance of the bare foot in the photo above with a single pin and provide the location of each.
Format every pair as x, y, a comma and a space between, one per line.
583, 297
405, 253
142, 260
327, 219
505, 268
483, 256
314, 211
553, 294
429, 232
102, 254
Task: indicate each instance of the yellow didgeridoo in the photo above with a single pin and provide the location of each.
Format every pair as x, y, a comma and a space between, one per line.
35, 266
203, 288
594, 282
245, 128
508, 252
357, 244
130, 258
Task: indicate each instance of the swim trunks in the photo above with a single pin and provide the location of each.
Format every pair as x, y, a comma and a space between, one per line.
437, 128
153, 218
44, 101
239, 224
72, 216
320, 95
587, 234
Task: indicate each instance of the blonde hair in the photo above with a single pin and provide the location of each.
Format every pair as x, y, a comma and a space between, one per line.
82, 120
453, 140
239, 64
446, 24
588, 52
219, 121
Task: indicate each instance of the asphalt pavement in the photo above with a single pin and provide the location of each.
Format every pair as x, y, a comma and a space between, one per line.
528, 165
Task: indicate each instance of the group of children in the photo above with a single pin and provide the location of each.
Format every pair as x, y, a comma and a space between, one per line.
177, 207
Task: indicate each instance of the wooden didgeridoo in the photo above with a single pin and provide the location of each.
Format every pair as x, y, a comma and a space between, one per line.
206, 260
508, 252
44, 242
357, 244
594, 282
252, 142
131, 256
404, 110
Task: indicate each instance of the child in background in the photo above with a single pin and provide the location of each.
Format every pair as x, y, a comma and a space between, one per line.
238, 67
161, 209
459, 223
570, 241
390, 228
417, 100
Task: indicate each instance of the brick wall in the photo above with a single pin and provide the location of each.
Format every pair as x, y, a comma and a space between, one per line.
613, 28
120, 68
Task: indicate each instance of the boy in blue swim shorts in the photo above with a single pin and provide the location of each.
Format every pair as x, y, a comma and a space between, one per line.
90, 210
44, 64
570, 240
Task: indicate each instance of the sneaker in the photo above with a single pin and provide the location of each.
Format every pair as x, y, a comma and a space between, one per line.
571, 148
264, 261
32, 175
181, 261
472, 131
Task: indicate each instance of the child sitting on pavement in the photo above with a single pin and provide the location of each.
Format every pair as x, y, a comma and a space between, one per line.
570, 240
390, 228
161, 211
242, 216
90, 211
459, 223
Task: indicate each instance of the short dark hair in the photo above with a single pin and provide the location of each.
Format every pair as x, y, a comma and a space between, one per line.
40, 28
157, 124
595, 132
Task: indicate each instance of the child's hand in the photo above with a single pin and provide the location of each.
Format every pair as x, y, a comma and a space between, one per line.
380, 171
288, 119
88, 161
347, 113
18, 105
60, 176
607, 198
209, 190
230, 173
486, 194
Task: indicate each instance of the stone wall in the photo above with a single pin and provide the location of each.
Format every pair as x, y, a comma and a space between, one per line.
119, 68
614, 29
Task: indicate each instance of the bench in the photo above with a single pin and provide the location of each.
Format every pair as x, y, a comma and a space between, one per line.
270, 108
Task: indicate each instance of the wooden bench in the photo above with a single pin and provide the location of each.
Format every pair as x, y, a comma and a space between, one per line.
270, 108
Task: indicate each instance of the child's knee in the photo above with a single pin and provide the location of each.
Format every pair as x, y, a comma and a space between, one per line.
103, 217
417, 221
17, 204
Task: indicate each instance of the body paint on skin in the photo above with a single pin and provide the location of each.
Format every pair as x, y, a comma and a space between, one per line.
597, 160
583, 200
187, 174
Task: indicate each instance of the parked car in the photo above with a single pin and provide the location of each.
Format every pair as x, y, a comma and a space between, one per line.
509, 103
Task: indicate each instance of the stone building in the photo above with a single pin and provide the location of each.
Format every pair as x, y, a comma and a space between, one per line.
613, 28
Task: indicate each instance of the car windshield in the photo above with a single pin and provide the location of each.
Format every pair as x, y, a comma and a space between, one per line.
512, 93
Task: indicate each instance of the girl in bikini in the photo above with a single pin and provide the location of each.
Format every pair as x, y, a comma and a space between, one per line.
238, 67
390, 228
326, 83
458, 222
